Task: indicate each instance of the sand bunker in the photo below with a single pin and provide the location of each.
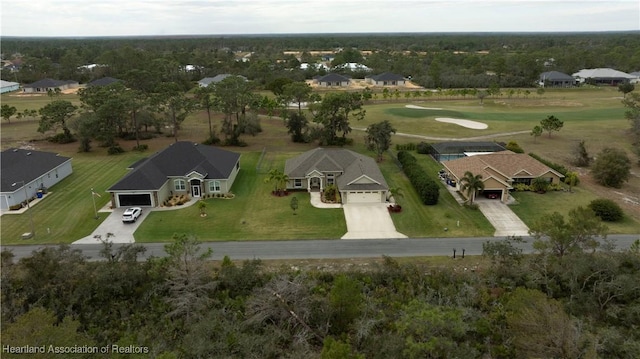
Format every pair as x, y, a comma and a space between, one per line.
464, 123
422, 108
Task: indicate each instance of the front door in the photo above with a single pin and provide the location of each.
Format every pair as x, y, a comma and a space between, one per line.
315, 184
195, 191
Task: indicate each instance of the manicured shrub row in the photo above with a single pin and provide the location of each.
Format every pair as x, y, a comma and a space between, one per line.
426, 187
560, 168
406, 147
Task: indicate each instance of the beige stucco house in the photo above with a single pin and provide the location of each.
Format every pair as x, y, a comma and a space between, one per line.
500, 171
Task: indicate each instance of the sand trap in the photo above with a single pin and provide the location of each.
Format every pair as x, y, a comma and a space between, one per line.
422, 108
464, 123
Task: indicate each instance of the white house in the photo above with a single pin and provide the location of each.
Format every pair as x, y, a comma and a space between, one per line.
7, 86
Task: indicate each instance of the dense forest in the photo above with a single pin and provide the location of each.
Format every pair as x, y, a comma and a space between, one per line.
431, 60
579, 305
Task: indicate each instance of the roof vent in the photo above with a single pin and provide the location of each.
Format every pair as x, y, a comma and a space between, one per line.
28, 153
15, 150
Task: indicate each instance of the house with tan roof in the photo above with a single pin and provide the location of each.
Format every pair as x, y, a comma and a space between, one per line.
500, 171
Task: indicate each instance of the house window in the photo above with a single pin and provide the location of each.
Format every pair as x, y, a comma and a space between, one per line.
331, 178
180, 185
214, 186
297, 183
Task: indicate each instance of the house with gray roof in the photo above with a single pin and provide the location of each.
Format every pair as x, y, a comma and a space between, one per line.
556, 79
183, 168
214, 80
332, 79
602, 76
44, 85
386, 79
25, 172
356, 176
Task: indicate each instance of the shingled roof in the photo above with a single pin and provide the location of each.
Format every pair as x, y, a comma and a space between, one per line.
387, 76
49, 83
178, 160
352, 165
511, 165
26, 165
333, 77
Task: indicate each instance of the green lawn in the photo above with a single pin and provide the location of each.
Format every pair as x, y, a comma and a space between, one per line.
532, 206
254, 214
419, 220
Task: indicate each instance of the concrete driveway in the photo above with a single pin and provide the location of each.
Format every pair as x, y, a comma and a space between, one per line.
368, 221
123, 232
502, 218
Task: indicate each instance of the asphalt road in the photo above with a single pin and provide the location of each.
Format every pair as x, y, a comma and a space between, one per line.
321, 249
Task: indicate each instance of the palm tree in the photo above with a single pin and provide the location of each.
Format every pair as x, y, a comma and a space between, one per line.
395, 192
280, 179
471, 183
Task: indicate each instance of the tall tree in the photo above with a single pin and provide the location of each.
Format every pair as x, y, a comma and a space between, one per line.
171, 99
536, 132
7, 111
298, 92
334, 113
471, 183
625, 88
378, 137
297, 126
233, 97
612, 167
55, 114
551, 123
205, 101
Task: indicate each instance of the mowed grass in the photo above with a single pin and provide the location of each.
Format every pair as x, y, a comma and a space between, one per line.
419, 220
254, 213
531, 206
66, 214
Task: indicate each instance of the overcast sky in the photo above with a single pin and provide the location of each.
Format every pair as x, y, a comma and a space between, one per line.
214, 17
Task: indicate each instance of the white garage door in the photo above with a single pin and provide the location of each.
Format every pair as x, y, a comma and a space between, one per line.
363, 197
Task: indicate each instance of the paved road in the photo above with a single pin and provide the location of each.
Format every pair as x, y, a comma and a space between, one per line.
319, 249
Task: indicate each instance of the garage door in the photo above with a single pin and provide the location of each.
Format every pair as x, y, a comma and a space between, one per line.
126, 200
363, 197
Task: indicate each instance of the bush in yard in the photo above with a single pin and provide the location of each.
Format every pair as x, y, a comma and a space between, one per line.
612, 167
606, 209
513, 146
424, 148
540, 185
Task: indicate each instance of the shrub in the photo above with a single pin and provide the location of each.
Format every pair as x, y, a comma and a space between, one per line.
427, 188
115, 149
521, 187
406, 147
212, 140
62, 138
606, 209
424, 148
540, 184
141, 148
514, 147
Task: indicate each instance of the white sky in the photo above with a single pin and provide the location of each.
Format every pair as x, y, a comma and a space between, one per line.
215, 17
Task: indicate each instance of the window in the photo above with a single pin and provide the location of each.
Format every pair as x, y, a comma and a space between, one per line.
297, 183
180, 185
330, 178
214, 186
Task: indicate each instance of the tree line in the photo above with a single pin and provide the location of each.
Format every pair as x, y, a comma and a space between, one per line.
567, 302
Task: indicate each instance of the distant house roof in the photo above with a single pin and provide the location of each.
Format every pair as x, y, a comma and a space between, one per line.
209, 80
49, 83
4, 83
456, 147
26, 165
352, 165
333, 77
353, 66
105, 81
511, 165
555, 76
387, 76
602, 73
178, 160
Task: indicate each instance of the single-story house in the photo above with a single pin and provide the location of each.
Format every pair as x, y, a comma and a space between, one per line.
332, 79
7, 86
105, 81
556, 79
602, 76
214, 80
386, 79
183, 168
44, 85
25, 172
356, 176
447, 151
500, 171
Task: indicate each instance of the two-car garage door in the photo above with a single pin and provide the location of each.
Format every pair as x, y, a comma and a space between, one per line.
126, 200
364, 197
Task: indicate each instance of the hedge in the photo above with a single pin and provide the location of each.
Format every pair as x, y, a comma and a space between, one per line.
558, 168
427, 188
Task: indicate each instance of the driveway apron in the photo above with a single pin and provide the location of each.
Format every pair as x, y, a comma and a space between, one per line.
502, 218
122, 232
368, 221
